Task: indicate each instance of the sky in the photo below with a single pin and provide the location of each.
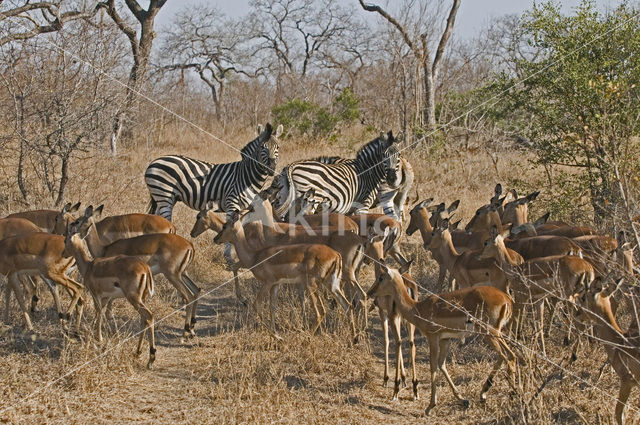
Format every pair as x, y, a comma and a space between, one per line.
473, 15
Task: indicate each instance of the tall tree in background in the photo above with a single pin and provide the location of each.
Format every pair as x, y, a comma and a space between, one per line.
418, 41
140, 48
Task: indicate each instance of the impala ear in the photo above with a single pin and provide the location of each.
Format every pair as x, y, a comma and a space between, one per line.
542, 220
497, 191
455, 224
75, 208
406, 267
444, 224
66, 207
88, 212
454, 206
532, 196
98, 211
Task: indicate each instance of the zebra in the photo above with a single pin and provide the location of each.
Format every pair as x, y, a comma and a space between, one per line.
348, 185
392, 197
223, 187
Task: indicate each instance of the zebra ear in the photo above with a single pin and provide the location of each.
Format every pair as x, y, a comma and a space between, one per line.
382, 136
279, 131
266, 134
259, 130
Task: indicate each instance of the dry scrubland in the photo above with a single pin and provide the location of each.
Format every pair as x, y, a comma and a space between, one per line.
233, 371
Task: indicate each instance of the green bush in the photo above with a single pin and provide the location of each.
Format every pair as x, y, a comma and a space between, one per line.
303, 118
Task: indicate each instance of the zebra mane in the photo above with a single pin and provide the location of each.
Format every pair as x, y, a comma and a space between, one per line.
251, 148
331, 159
376, 145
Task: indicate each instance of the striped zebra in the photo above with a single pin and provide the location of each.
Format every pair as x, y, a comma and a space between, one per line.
391, 197
347, 185
222, 187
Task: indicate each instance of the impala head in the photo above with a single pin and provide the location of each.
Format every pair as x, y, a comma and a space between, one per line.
374, 247
77, 230
517, 211
484, 218
523, 231
264, 149
494, 245
206, 220
229, 229
387, 283
64, 217
594, 299
418, 217
439, 236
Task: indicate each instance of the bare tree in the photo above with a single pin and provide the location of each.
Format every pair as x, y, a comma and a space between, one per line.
419, 44
140, 48
57, 105
203, 40
291, 34
23, 19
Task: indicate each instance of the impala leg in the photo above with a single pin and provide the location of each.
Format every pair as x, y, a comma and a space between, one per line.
626, 385
316, 298
195, 292
400, 372
53, 288
433, 364
147, 323
100, 307
14, 283
541, 328
7, 302
412, 344
187, 298
442, 358
33, 293
489, 382
384, 319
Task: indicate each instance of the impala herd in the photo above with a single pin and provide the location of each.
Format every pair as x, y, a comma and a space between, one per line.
501, 263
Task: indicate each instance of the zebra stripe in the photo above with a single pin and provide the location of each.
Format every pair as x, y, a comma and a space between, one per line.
201, 185
347, 185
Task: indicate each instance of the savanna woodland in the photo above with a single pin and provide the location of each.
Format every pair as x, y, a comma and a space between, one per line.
467, 213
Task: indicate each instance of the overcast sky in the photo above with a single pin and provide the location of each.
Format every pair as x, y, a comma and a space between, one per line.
472, 16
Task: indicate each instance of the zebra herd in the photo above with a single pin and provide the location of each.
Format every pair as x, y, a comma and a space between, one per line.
377, 176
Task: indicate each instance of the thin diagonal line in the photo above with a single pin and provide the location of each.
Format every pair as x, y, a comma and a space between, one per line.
145, 97
104, 353
500, 94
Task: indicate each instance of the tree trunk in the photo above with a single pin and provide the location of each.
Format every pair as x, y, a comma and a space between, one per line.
64, 179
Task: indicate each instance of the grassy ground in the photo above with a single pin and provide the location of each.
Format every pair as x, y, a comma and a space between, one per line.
233, 372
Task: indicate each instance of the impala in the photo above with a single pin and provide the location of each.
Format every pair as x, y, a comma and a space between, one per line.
10, 227
453, 315
125, 226
569, 270
516, 212
111, 278
420, 221
52, 221
303, 264
388, 312
379, 223
622, 348
37, 254
166, 253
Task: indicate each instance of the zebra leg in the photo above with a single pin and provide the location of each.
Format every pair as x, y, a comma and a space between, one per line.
164, 208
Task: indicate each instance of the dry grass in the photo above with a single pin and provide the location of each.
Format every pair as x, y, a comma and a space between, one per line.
233, 372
